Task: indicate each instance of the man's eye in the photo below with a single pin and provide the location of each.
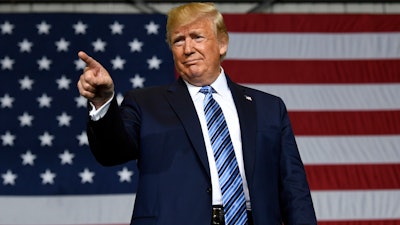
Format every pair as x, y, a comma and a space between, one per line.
178, 42
199, 38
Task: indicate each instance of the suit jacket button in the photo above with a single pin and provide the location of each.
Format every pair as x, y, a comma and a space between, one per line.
209, 190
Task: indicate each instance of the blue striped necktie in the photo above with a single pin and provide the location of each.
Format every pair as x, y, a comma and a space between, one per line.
231, 184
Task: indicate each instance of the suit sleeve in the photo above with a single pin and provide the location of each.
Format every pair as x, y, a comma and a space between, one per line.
297, 207
108, 139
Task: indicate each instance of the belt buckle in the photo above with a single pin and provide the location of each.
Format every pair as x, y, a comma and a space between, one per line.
218, 215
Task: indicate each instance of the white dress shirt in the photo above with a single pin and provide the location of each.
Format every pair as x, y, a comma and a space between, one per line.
224, 98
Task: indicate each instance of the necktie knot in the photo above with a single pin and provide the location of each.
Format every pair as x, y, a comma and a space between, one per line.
207, 90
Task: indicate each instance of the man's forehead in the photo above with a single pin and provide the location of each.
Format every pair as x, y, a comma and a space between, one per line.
195, 26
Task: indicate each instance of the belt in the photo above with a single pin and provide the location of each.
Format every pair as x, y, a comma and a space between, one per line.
218, 218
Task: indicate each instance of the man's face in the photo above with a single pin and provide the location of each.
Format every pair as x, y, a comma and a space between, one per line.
196, 51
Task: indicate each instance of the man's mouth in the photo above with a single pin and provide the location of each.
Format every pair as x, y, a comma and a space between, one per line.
190, 62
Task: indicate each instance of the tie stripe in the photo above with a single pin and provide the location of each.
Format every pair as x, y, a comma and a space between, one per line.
231, 183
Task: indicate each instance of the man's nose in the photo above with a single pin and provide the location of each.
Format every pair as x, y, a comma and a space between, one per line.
188, 48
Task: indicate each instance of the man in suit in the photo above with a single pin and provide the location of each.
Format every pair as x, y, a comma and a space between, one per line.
167, 130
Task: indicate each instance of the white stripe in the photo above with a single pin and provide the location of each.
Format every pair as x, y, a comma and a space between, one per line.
117, 209
258, 46
56, 210
317, 150
356, 205
310, 97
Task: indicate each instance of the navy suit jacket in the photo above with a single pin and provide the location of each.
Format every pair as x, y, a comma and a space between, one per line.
159, 127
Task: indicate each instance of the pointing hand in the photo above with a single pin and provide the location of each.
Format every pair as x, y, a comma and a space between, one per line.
95, 83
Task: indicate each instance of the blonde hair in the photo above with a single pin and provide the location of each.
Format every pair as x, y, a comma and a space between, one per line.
188, 13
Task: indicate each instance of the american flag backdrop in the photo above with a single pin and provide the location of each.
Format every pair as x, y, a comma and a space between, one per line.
48, 175
338, 74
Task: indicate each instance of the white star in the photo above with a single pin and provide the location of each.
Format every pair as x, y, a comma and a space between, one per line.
66, 157
125, 175
48, 177
9, 177
64, 119
44, 63
80, 28
154, 63
86, 176
28, 158
116, 28
43, 28
83, 139
6, 27
62, 45
26, 83
25, 120
118, 63
136, 45
7, 63
25, 45
46, 139
137, 81
99, 45
7, 101
81, 101
8, 138
79, 64
63, 83
152, 28
120, 98
44, 101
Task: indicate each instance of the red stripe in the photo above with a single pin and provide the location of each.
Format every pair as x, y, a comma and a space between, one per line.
361, 222
345, 122
312, 23
353, 177
313, 71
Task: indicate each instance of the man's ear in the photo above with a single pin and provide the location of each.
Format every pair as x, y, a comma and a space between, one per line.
223, 46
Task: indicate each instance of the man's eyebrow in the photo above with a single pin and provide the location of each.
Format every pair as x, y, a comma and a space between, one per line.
177, 36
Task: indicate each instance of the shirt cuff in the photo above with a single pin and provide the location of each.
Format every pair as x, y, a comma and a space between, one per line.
97, 114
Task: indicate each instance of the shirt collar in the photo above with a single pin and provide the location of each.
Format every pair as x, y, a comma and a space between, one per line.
220, 85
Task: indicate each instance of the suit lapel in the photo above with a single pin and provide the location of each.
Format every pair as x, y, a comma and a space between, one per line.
181, 102
247, 113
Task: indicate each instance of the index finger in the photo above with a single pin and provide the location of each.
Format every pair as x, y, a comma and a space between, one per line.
90, 62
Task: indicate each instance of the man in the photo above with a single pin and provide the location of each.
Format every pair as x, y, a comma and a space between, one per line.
168, 130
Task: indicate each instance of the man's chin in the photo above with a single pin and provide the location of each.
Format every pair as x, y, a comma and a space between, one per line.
196, 79
193, 71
